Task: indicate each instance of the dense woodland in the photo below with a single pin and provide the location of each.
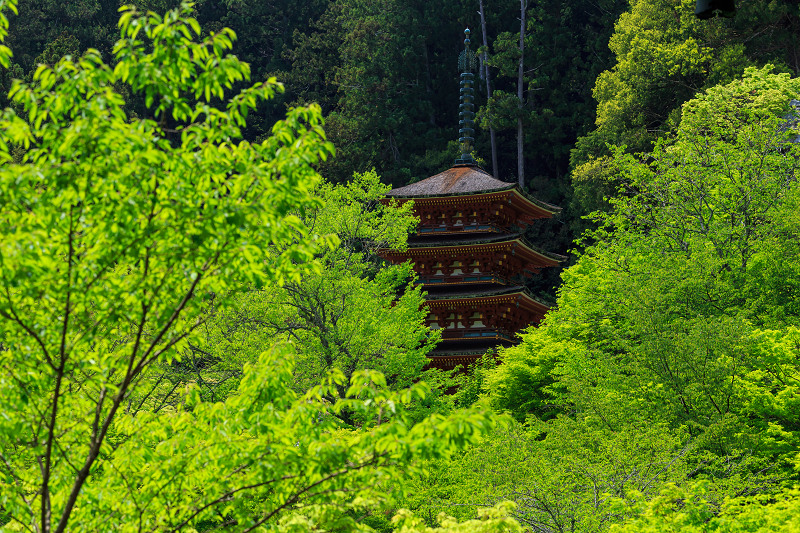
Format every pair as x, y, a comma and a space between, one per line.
196, 332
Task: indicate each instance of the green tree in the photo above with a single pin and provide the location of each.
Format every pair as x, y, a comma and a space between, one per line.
664, 56
672, 354
562, 475
352, 315
264, 32
387, 88
688, 509
680, 314
565, 50
126, 236
119, 234
43, 24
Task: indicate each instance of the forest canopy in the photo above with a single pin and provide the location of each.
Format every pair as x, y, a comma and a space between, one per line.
197, 332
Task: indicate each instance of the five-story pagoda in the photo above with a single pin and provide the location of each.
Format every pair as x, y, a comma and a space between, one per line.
469, 251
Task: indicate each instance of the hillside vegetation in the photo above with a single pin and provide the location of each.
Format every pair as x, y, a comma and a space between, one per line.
197, 334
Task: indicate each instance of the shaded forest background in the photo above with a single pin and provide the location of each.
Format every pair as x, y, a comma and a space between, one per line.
596, 72
385, 71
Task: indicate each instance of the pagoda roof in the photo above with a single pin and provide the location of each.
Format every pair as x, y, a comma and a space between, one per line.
459, 179
459, 238
484, 239
457, 293
476, 351
478, 244
448, 359
490, 293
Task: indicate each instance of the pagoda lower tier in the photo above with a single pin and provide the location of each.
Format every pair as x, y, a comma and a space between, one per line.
471, 323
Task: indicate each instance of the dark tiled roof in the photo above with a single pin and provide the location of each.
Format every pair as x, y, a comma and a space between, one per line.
461, 292
428, 240
447, 360
462, 240
460, 179
476, 352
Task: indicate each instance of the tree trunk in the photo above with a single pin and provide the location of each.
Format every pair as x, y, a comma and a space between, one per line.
429, 86
520, 81
488, 86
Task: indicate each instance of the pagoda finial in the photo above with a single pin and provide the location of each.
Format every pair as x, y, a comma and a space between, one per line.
466, 63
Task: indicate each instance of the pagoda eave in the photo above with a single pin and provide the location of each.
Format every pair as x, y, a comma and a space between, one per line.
516, 247
534, 209
520, 298
450, 361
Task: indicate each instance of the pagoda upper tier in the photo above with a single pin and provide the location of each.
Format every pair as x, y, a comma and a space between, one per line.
493, 206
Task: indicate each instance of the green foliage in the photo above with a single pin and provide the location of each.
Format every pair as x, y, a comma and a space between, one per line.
64, 45
566, 47
759, 95
364, 225
376, 66
124, 240
471, 380
489, 520
676, 325
563, 475
267, 455
5, 51
120, 235
658, 48
47, 25
664, 294
196, 332
349, 315
664, 56
687, 509
594, 182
